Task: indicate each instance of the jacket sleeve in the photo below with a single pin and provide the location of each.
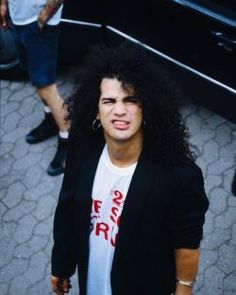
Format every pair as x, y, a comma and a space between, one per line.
187, 213
64, 249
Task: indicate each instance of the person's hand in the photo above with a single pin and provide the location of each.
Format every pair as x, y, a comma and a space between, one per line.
60, 286
42, 18
47, 12
3, 13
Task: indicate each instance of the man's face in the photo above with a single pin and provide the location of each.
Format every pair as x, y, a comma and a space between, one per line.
120, 113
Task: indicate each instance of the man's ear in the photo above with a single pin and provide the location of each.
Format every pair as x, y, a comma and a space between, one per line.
97, 118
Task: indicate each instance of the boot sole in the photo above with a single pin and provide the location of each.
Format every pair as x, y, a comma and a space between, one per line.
38, 140
55, 172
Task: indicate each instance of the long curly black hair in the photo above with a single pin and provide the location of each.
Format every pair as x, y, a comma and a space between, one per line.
164, 129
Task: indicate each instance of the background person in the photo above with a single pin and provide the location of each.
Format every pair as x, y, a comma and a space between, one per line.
36, 27
132, 204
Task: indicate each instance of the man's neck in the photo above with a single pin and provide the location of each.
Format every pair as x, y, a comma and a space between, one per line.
124, 155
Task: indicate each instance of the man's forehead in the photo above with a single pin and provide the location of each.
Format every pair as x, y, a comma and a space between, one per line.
113, 85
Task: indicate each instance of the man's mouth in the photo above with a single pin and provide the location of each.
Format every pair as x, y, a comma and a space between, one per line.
120, 124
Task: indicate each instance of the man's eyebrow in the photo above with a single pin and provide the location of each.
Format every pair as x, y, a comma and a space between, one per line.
131, 97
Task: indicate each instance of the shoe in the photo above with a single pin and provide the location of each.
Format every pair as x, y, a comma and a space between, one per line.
46, 129
57, 165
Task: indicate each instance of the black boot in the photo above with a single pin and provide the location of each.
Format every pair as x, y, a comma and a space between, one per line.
46, 129
57, 165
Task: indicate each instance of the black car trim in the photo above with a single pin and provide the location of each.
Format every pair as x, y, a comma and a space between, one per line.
207, 12
81, 23
172, 59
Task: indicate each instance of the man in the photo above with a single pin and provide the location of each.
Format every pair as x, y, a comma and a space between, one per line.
132, 204
36, 27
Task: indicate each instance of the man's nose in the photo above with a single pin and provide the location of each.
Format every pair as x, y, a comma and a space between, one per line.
120, 108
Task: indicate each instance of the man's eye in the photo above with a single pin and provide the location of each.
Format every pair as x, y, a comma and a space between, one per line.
107, 102
133, 101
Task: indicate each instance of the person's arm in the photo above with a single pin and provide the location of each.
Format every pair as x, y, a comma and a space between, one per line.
48, 11
3, 13
186, 219
186, 261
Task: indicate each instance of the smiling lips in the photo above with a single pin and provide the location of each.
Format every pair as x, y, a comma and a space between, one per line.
120, 124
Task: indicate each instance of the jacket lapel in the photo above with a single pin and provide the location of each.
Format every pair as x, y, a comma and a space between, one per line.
138, 192
88, 170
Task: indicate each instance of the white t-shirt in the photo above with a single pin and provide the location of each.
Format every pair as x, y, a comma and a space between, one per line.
23, 12
111, 184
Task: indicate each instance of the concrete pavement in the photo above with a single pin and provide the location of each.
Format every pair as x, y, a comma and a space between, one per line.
28, 195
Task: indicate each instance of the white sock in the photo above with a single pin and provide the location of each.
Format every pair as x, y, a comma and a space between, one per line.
64, 134
47, 109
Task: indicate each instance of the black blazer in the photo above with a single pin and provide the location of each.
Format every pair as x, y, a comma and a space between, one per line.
164, 210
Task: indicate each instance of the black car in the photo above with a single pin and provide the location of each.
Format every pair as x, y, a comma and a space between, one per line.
195, 40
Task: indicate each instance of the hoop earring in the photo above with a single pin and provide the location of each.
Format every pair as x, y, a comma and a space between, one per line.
96, 124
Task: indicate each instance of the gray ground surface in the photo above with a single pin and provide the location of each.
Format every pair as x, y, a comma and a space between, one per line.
28, 195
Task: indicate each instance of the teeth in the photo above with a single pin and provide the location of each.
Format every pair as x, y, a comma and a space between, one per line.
120, 122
